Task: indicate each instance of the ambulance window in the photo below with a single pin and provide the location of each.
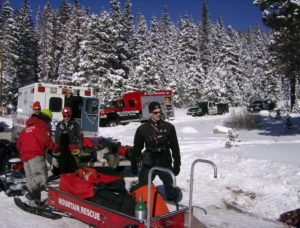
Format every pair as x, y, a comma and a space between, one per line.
91, 106
109, 104
121, 104
131, 103
55, 104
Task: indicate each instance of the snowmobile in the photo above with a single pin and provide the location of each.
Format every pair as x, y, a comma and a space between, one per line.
12, 176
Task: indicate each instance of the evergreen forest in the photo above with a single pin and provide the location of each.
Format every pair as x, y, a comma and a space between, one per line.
115, 52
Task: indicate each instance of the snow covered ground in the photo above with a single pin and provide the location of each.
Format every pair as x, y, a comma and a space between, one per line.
257, 180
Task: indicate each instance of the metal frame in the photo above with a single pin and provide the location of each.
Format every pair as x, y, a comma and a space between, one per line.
149, 189
192, 183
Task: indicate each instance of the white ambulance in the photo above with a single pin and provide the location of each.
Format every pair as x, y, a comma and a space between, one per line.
52, 97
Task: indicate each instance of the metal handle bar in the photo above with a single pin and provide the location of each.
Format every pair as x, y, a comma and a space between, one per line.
192, 183
149, 188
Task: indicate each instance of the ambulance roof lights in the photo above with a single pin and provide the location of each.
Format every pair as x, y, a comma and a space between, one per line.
88, 93
41, 88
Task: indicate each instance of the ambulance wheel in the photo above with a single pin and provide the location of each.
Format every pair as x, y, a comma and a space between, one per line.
112, 124
140, 116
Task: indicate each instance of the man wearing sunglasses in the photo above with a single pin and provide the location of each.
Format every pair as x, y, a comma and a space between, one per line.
162, 149
36, 108
68, 133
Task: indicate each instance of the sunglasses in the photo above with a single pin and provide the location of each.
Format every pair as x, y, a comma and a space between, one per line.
37, 109
157, 113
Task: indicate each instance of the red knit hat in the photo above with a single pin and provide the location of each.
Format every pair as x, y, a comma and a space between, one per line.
36, 105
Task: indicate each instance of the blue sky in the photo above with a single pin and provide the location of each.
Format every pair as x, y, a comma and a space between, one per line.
237, 13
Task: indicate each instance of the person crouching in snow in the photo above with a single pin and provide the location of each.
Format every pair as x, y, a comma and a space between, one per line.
32, 144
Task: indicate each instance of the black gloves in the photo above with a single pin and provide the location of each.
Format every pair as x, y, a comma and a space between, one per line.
134, 169
56, 152
176, 169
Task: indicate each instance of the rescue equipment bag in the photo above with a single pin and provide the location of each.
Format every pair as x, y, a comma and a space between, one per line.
75, 185
93, 176
114, 195
82, 182
158, 206
119, 201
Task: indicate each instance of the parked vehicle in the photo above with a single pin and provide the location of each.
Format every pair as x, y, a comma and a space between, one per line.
133, 107
258, 105
222, 108
208, 108
52, 97
194, 111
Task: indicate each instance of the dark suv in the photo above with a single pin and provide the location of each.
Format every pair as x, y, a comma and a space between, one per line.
258, 105
194, 111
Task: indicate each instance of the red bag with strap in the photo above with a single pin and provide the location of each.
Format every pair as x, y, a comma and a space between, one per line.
88, 174
123, 150
87, 142
81, 183
75, 185
94, 177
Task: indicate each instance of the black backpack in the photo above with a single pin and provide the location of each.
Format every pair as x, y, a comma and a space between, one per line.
114, 196
8, 150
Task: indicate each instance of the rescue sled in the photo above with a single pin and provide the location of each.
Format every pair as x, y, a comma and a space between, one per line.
96, 215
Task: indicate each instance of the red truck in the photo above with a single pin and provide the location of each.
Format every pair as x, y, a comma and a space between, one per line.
133, 107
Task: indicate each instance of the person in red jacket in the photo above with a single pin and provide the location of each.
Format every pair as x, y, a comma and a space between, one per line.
36, 108
32, 144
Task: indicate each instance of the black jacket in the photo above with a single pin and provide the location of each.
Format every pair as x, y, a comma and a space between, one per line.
72, 129
158, 138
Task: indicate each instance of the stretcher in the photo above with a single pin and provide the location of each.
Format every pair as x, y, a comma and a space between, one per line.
95, 215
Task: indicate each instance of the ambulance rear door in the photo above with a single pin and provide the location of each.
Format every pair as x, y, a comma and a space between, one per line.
90, 116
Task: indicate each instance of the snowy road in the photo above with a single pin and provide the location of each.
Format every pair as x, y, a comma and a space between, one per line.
257, 180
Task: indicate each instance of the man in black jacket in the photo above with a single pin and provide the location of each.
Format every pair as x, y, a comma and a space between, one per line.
68, 133
159, 137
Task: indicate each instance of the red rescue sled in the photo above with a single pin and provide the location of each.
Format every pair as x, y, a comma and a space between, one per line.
97, 215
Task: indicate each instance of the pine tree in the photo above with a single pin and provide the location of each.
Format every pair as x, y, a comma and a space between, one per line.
205, 45
118, 71
284, 19
26, 47
142, 62
63, 16
260, 80
106, 53
9, 54
234, 80
158, 66
46, 43
187, 60
216, 78
126, 37
89, 57
166, 62
69, 60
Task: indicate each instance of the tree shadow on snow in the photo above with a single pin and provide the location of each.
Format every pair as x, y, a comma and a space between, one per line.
280, 127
